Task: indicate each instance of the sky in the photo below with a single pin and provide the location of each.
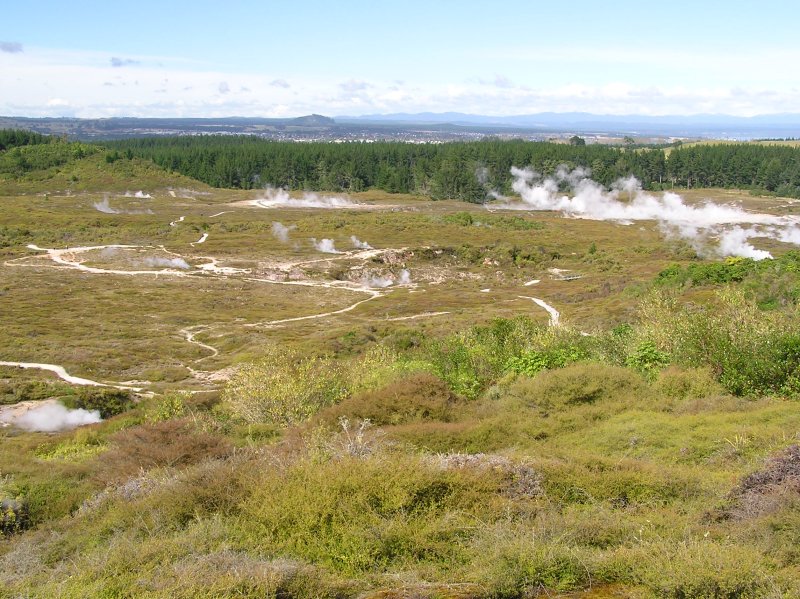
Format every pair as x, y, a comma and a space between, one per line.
352, 57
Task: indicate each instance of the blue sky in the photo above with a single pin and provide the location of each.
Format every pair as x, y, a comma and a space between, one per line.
207, 58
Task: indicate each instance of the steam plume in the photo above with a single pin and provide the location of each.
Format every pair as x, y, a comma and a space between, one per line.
325, 245
168, 262
378, 282
279, 198
52, 417
139, 194
626, 202
361, 245
107, 208
281, 231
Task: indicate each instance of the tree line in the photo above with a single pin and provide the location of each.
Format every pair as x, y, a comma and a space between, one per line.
13, 138
461, 170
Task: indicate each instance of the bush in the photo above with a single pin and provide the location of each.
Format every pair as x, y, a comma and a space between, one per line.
533, 361
284, 389
470, 361
576, 384
167, 407
689, 383
361, 516
172, 443
108, 401
417, 397
646, 359
750, 352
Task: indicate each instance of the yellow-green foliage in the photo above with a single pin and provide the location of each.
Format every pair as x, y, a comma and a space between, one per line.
285, 388
357, 516
167, 407
751, 351
85, 444
578, 384
687, 383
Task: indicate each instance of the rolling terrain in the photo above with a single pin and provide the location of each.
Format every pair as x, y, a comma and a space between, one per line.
374, 394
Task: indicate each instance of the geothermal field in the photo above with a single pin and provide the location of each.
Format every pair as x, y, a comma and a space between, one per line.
570, 388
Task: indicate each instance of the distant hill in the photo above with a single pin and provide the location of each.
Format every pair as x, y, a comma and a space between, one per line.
699, 125
123, 127
425, 126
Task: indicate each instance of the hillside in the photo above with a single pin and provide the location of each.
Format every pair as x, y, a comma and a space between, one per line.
211, 392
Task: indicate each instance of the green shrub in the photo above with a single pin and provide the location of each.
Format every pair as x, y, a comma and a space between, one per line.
468, 362
750, 352
686, 383
108, 401
577, 384
368, 515
647, 359
84, 444
532, 362
463, 219
284, 388
417, 397
167, 407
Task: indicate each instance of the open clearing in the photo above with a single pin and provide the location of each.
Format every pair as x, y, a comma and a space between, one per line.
130, 285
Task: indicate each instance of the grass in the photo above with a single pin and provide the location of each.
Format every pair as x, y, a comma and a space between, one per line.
456, 455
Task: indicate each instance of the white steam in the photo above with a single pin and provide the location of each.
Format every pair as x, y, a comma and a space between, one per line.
106, 207
52, 417
361, 245
279, 198
734, 243
382, 282
626, 202
168, 262
325, 245
378, 282
281, 231
139, 194
482, 175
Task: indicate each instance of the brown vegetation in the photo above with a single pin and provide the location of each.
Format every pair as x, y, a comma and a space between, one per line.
172, 443
418, 397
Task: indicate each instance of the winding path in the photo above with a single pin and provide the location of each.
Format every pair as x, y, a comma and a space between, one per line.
189, 334
61, 373
69, 258
555, 315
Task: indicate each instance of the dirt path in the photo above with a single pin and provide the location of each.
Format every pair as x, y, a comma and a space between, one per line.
201, 240
61, 373
417, 316
70, 258
555, 315
190, 333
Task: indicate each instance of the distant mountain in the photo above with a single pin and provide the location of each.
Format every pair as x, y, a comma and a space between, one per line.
778, 125
122, 127
313, 120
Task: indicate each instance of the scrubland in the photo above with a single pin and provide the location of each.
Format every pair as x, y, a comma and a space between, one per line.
647, 446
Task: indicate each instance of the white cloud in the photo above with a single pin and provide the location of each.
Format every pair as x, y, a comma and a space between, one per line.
41, 82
